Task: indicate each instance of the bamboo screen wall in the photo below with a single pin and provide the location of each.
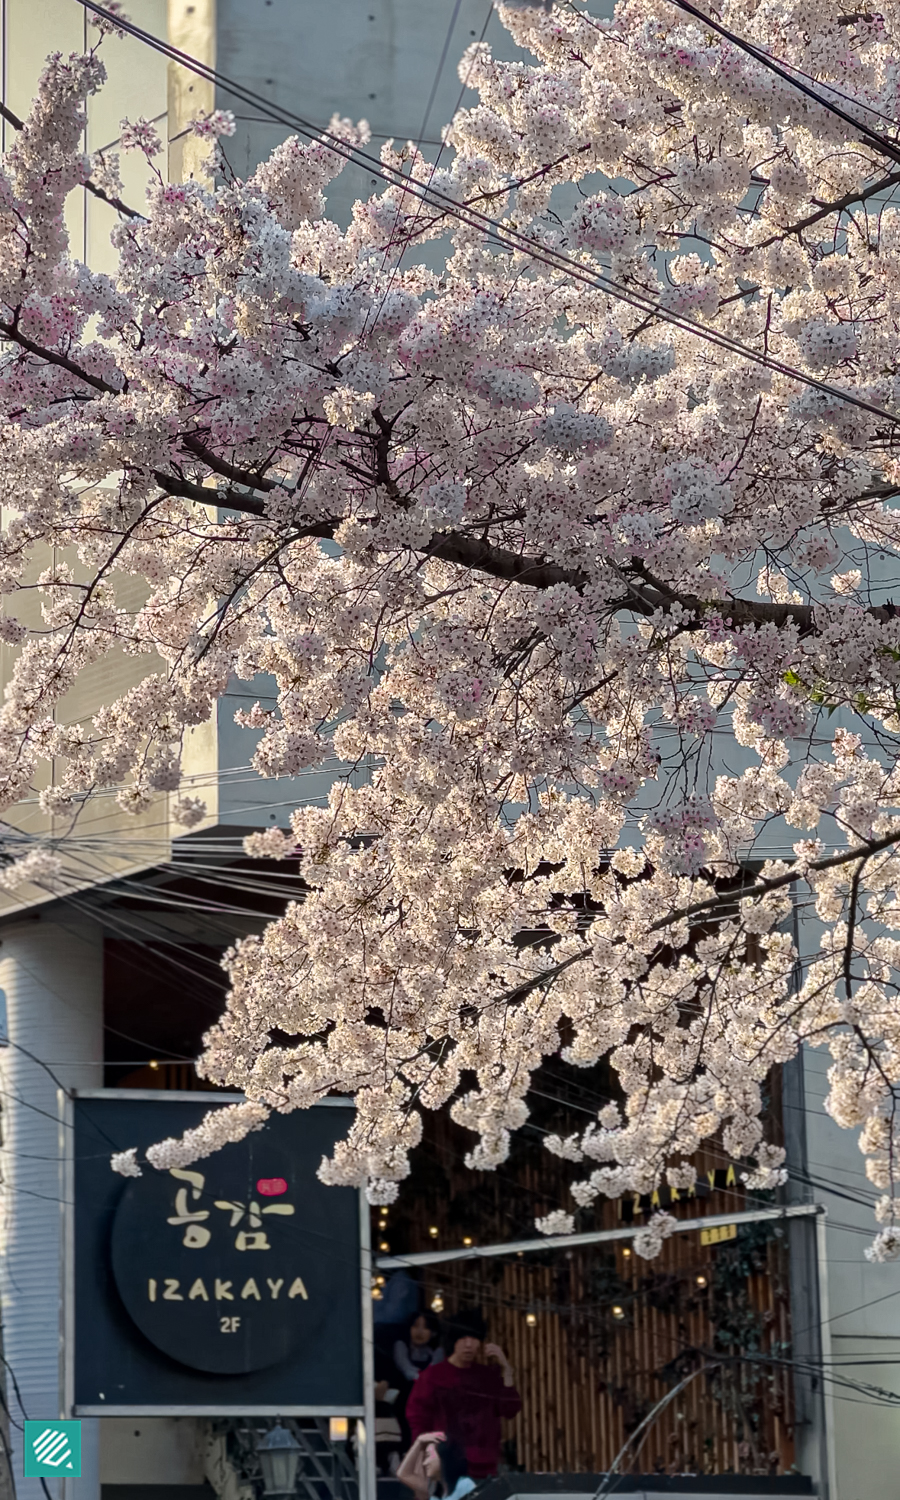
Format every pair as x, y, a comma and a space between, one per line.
597, 1336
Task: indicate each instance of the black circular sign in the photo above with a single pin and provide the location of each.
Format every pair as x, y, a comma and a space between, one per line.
217, 1263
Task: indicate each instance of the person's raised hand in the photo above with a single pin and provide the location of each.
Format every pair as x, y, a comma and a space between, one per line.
493, 1351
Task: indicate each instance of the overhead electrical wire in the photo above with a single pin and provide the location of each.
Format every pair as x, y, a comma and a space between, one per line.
879, 142
500, 234
789, 73
449, 204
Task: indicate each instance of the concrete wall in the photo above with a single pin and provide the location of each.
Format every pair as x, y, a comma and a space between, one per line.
135, 87
392, 62
151, 1450
861, 1308
859, 1333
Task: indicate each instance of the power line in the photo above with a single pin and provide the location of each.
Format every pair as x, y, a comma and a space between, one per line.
502, 235
874, 138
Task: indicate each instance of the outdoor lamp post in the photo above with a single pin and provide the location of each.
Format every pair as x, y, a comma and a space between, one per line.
279, 1455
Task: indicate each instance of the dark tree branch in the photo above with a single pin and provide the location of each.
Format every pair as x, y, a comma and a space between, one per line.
645, 595
186, 489
721, 901
53, 357
196, 446
855, 195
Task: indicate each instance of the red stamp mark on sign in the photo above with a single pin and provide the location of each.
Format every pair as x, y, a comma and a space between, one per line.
271, 1187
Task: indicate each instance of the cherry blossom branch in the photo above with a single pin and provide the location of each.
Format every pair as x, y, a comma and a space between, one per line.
719, 902
14, 334
91, 187
853, 196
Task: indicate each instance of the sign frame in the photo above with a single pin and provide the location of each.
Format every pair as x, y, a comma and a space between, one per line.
364, 1413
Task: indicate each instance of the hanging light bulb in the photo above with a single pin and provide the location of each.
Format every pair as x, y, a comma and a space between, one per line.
437, 1303
531, 1320
467, 1239
377, 1294
433, 1231
701, 1281
626, 1253
618, 1311
384, 1246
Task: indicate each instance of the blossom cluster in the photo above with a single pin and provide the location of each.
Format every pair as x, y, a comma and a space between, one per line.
574, 557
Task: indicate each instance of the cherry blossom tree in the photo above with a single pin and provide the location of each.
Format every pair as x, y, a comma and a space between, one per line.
574, 542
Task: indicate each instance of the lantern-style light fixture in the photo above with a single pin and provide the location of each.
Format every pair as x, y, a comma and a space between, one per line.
279, 1456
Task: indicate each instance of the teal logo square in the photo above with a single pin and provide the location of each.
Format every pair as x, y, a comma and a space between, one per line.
52, 1450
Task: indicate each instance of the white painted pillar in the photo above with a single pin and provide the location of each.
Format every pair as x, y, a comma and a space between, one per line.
51, 969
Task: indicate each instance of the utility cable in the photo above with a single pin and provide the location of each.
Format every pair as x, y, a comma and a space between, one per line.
872, 138
506, 237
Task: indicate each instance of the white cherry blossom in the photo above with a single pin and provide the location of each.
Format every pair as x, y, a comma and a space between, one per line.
527, 540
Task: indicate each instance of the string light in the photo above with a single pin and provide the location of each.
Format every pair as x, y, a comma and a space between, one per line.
433, 1231
384, 1245
531, 1320
701, 1281
626, 1253
618, 1311
467, 1240
437, 1303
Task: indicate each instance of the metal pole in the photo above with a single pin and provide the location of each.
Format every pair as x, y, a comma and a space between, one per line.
831, 1489
595, 1237
365, 1430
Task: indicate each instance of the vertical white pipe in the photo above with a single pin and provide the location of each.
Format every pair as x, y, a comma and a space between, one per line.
52, 973
365, 1449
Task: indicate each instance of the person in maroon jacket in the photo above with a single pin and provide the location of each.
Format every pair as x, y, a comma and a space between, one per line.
465, 1399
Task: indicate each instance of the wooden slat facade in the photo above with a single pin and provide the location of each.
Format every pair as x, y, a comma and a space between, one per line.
588, 1375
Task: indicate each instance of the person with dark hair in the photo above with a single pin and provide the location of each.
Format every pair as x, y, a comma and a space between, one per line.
464, 1398
420, 1348
436, 1465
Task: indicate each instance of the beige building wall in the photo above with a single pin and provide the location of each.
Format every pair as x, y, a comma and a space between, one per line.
192, 29
106, 841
